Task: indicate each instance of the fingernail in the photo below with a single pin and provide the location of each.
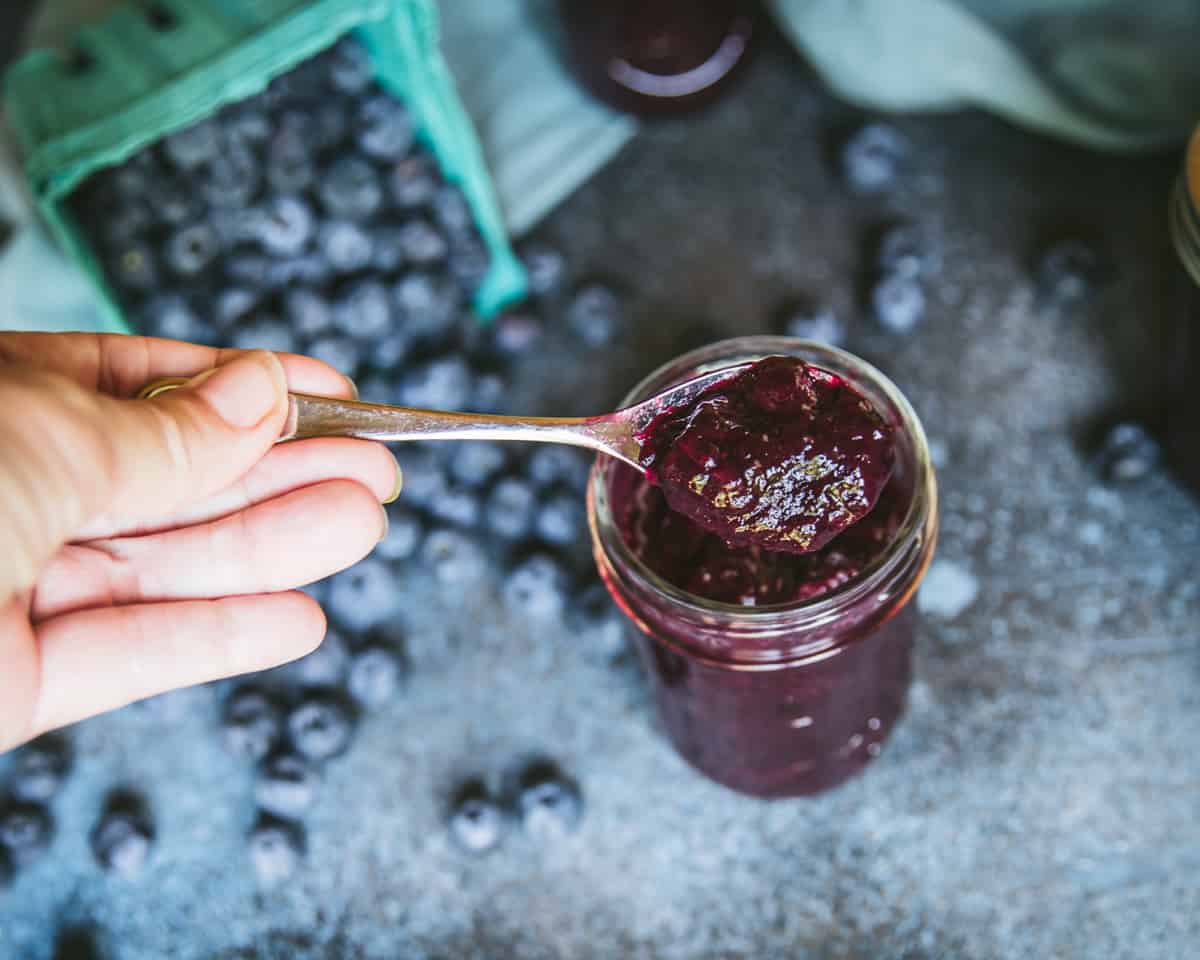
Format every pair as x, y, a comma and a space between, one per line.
397, 487
244, 391
386, 522
353, 387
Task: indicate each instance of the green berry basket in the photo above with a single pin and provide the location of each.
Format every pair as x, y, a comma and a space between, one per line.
149, 70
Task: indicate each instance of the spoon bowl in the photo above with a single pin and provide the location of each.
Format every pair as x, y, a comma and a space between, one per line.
616, 434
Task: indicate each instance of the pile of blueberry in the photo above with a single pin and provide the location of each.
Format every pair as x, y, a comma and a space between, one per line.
294, 722
121, 840
306, 218
546, 801
26, 822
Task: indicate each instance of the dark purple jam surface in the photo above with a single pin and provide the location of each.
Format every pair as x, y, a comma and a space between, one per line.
704, 564
779, 459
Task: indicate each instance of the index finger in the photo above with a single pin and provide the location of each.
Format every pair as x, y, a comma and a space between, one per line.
121, 365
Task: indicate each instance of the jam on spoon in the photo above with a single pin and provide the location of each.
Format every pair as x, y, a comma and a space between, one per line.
782, 457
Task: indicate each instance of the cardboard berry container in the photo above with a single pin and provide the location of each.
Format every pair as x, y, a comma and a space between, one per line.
149, 70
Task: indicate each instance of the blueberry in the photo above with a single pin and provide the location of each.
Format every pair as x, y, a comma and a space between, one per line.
469, 261
509, 511
193, 146
250, 723
320, 726
550, 805
122, 842
131, 181
304, 81
421, 244
594, 314
810, 321
476, 821
1129, 454
171, 316
192, 249
364, 595
403, 536
134, 268
339, 352
904, 249
872, 157
126, 225
545, 267
390, 351
375, 674
350, 189
384, 128
474, 462
245, 123
251, 271
26, 830
553, 464
173, 201
276, 849
8, 869
516, 332
490, 394
266, 333
451, 210
536, 586
309, 314
77, 943
596, 622
442, 384
350, 69
286, 785
310, 269
898, 302
424, 478
289, 162
232, 179
329, 125
39, 768
325, 666
387, 248
233, 304
365, 311
1069, 271
413, 182
561, 520
459, 507
428, 305
282, 226
456, 558
346, 246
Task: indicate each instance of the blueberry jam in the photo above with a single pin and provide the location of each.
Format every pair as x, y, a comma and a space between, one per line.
776, 672
693, 558
657, 56
782, 457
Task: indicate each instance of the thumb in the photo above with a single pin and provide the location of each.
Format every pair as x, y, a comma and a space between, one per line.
76, 458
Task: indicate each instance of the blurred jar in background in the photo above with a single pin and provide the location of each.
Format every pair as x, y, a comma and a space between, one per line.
1183, 354
657, 56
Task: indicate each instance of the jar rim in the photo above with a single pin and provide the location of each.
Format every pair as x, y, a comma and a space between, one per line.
920, 515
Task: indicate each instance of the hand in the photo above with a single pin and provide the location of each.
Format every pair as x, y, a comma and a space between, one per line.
146, 542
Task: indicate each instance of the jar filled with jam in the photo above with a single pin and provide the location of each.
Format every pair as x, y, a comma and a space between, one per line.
1183, 355
775, 673
657, 56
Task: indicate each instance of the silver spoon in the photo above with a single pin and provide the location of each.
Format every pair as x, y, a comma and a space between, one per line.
615, 434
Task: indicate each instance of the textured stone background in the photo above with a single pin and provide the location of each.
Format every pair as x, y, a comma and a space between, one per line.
1039, 799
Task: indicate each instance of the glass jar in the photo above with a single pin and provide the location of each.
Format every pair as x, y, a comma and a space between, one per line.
1183, 355
657, 56
793, 698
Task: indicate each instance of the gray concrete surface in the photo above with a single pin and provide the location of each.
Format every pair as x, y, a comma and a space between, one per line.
1040, 798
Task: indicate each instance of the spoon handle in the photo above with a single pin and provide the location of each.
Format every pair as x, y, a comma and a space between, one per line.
311, 416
